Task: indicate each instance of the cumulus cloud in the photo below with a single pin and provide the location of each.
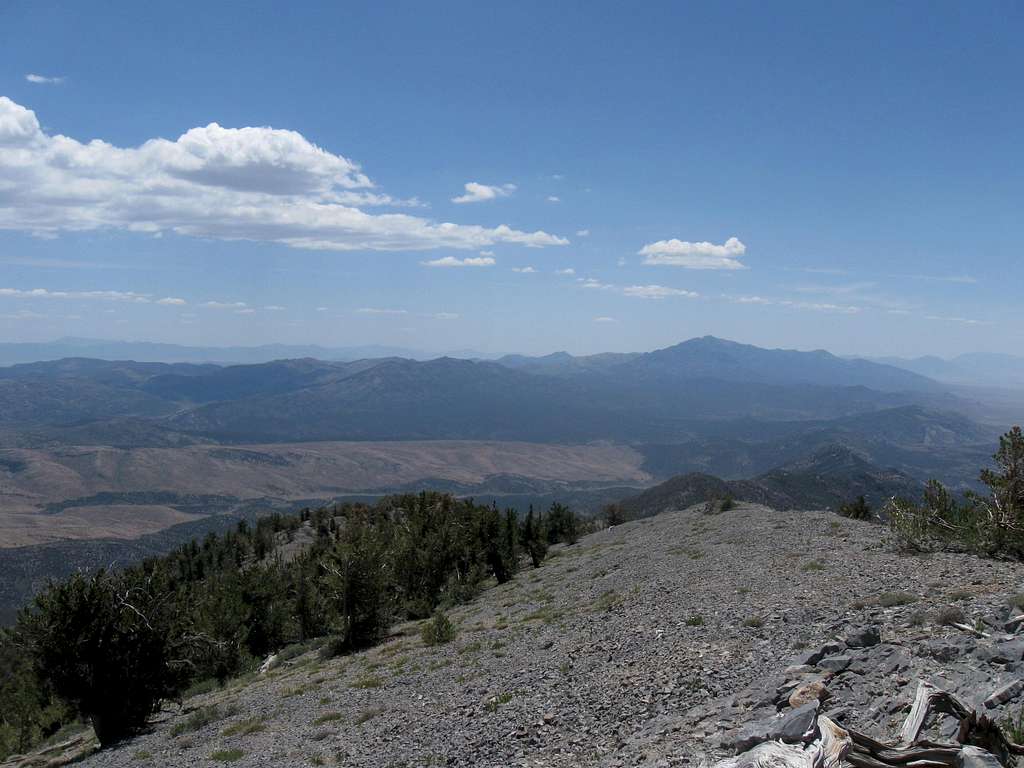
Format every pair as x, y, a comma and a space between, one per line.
260, 184
702, 255
44, 293
172, 301
656, 292
524, 270
479, 193
43, 79
469, 261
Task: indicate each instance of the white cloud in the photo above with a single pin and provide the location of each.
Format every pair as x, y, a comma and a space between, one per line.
814, 306
656, 292
23, 314
486, 253
321, 309
44, 293
378, 311
636, 291
44, 80
275, 308
225, 304
605, 319
582, 233
554, 199
566, 271
479, 193
469, 261
259, 184
172, 301
445, 316
524, 270
960, 279
703, 255
246, 311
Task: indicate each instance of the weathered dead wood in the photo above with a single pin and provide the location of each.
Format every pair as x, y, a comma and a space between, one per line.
833, 744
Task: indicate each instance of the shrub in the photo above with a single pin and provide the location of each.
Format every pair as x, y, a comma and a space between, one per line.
695, 621
438, 630
858, 509
990, 524
614, 515
895, 599
198, 719
227, 755
949, 615
754, 622
726, 504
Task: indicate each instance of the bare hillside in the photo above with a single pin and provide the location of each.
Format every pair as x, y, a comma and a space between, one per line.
33, 481
661, 642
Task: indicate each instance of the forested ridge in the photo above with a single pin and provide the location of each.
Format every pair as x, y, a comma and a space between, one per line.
109, 648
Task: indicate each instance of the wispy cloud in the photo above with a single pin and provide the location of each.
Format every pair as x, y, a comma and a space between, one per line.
275, 308
524, 270
45, 293
656, 292
959, 279
259, 184
554, 199
225, 304
816, 306
566, 271
23, 314
380, 311
469, 261
605, 319
44, 80
702, 255
480, 193
172, 301
445, 316
582, 233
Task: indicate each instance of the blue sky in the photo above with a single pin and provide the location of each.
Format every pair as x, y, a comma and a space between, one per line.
791, 174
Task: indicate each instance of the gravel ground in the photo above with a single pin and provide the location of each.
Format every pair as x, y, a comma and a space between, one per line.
652, 643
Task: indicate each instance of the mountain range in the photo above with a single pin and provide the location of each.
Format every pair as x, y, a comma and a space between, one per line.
827, 479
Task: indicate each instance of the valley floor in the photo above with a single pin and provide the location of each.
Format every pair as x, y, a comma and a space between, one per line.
620, 650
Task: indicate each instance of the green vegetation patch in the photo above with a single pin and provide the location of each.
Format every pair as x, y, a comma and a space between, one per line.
227, 755
245, 727
201, 718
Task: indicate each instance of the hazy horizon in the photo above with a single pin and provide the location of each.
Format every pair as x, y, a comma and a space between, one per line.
519, 179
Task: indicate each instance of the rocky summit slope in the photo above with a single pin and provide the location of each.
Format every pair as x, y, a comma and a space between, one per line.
675, 640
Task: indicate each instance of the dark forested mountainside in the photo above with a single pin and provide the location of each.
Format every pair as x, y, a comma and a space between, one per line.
831, 477
109, 647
